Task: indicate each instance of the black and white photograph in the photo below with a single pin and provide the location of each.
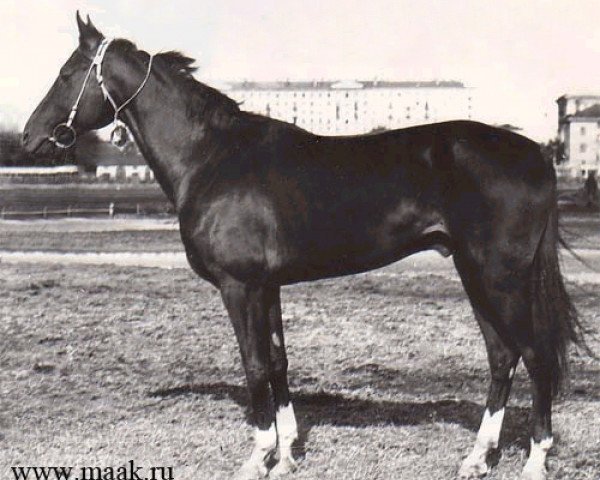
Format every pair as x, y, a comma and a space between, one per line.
333, 240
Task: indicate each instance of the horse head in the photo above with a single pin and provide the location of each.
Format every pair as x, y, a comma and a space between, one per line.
74, 103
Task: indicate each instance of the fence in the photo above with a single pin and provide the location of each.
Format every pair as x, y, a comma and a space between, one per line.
111, 210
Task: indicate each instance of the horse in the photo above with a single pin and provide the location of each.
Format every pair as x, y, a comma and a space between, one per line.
263, 203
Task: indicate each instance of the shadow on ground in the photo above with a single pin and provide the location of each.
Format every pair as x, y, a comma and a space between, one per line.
335, 409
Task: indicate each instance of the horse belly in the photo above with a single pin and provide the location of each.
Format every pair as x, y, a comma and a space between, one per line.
337, 252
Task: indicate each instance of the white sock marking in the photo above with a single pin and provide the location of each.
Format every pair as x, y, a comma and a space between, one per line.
265, 442
287, 429
487, 439
489, 431
536, 463
265, 439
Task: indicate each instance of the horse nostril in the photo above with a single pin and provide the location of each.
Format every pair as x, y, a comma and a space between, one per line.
25, 138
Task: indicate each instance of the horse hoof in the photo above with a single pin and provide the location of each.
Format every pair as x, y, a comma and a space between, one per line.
284, 467
469, 470
251, 472
534, 474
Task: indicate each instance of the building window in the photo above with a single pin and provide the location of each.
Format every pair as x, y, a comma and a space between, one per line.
582, 148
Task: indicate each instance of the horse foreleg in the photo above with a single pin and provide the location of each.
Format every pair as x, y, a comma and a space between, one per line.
248, 312
287, 429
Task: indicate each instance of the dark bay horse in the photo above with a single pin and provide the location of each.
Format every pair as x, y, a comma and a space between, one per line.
263, 203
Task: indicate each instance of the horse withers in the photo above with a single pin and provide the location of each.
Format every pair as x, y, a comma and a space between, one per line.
263, 203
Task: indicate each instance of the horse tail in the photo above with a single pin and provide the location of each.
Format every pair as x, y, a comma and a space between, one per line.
556, 323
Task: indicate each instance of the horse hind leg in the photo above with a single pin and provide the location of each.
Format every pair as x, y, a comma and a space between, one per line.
503, 360
554, 324
499, 312
287, 428
541, 441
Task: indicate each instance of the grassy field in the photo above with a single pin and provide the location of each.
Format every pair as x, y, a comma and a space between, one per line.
106, 364
75, 235
159, 234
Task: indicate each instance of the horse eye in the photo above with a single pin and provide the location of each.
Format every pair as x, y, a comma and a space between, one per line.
64, 74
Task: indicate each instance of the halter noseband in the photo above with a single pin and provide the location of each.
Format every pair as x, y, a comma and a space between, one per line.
67, 128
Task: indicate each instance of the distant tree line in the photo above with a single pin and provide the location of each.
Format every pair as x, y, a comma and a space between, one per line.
82, 153
11, 151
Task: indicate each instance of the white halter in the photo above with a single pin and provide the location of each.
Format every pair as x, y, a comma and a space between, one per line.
117, 124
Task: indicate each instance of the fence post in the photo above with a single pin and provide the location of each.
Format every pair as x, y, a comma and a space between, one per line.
111, 209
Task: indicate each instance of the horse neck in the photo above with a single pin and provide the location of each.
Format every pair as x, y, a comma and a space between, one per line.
167, 137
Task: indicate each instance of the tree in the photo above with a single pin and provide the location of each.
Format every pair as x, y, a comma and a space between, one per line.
553, 151
12, 152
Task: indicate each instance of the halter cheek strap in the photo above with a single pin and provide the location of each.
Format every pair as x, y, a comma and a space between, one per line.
106, 93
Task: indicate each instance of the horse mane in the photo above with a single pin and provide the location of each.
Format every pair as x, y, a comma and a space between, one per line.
179, 63
205, 101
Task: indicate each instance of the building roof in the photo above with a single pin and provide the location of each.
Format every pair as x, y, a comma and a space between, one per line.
340, 85
590, 112
569, 96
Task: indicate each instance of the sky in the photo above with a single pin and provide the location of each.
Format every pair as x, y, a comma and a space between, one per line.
519, 56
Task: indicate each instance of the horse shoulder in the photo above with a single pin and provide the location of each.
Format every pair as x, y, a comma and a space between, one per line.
236, 234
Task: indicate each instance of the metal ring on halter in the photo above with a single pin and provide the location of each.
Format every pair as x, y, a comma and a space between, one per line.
56, 132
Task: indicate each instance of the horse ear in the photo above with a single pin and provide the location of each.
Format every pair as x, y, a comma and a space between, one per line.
81, 25
89, 36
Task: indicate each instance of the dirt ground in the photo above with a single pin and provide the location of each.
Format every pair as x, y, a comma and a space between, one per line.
102, 364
